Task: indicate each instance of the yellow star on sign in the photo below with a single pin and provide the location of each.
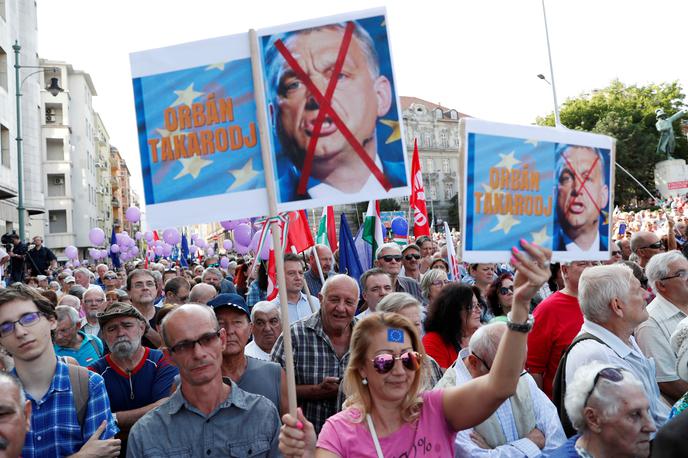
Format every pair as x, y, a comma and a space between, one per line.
540, 237
220, 66
505, 223
186, 96
396, 130
192, 166
508, 160
242, 175
163, 132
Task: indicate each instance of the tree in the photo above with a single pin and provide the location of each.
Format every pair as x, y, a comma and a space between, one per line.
453, 213
389, 205
627, 113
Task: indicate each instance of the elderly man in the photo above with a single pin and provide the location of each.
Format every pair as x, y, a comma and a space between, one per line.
610, 411
111, 281
388, 258
141, 287
250, 374
299, 302
83, 277
70, 341
208, 415
646, 245
376, 284
321, 349
202, 293
15, 416
312, 275
582, 195
267, 326
667, 274
94, 303
26, 320
137, 378
101, 270
410, 260
524, 425
213, 276
336, 165
427, 249
613, 305
557, 321
625, 246
177, 290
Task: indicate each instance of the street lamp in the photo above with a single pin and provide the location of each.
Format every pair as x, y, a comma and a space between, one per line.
54, 89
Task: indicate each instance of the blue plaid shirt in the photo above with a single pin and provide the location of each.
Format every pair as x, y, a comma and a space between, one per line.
255, 294
55, 430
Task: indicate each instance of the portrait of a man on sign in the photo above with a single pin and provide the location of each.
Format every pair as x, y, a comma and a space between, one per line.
334, 118
582, 197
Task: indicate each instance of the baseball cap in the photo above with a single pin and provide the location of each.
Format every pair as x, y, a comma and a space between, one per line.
409, 246
118, 309
69, 279
229, 300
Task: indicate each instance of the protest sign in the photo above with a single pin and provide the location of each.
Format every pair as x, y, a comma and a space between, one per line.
198, 134
553, 187
334, 111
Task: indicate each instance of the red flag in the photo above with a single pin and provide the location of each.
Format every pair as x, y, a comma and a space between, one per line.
421, 225
299, 235
155, 236
272, 276
331, 228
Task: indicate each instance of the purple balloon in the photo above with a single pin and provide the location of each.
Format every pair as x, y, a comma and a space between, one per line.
242, 234
253, 246
265, 251
227, 244
226, 225
210, 252
224, 262
133, 214
114, 248
166, 250
194, 236
241, 249
158, 250
134, 250
71, 252
103, 254
148, 235
171, 236
193, 249
92, 252
76, 263
138, 235
119, 238
96, 236
201, 243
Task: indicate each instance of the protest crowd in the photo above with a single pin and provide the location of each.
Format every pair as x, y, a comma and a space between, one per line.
185, 356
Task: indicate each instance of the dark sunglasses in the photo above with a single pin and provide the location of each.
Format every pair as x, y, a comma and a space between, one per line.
504, 290
385, 362
409, 257
612, 374
110, 277
186, 346
655, 246
391, 257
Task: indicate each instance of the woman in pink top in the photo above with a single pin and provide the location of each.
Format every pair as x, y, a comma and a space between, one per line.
386, 414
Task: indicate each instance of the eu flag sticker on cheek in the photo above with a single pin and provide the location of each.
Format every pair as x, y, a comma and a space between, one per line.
395, 335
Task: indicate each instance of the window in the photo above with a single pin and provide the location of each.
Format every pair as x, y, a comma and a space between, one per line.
448, 190
429, 165
54, 148
53, 113
445, 165
427, 139
56, 185
5, 159
4, 66
438, 113
57, 220
444, 139
454, 115
433, 192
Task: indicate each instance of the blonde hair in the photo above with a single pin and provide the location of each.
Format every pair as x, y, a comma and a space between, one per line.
358, 394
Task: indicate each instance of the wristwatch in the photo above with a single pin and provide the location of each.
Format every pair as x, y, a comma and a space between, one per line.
520, 327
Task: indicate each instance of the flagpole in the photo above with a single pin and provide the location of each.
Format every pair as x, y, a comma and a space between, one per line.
557, 120
259, 93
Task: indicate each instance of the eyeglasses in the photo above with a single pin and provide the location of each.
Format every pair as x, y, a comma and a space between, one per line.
473, 308
94, 301
612, 374
385, 362
504, 290
409, 257
440, 282
487, 366
616, 253
682, 274
390, 257
655, 246
26, 320
187, 346
110, 277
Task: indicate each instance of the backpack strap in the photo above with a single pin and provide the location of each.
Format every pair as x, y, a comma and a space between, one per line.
78, 379
95, 348
559, 384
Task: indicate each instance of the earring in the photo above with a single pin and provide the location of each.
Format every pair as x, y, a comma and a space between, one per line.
364, 381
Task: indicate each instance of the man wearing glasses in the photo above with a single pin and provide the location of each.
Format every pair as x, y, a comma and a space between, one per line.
667, 274
645, 245
26, 320
208, 415
388, 258
142, 291
94, 303
411, 261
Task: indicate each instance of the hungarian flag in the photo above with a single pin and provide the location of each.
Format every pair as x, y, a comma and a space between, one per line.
272, 276
369, 236
417, 200
327, 230
451, 255
299, 233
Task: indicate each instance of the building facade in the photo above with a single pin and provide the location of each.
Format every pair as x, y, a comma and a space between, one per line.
122, 197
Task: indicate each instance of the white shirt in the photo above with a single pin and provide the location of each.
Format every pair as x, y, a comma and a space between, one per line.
300, 309
3, 254
546, 419
371, 187
253, 350
594, 248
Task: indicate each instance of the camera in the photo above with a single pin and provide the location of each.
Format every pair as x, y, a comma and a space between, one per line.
6, 240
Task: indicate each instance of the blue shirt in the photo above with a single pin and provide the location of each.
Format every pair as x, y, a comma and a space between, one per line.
150, 381
55, 429
89, 352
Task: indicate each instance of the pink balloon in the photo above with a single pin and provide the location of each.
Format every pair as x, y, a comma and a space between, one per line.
227, 244
133, 214
242, 234
96, 236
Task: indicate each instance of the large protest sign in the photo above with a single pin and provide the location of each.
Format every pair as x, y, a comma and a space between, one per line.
198, 134
334, 111
548, 186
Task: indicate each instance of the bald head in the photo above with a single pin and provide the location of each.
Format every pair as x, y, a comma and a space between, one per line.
182, 313
202, 293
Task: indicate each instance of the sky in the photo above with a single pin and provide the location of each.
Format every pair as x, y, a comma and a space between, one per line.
479, 57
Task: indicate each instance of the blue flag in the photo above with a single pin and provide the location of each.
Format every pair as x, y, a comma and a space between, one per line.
349, 262
114, 256
185, 252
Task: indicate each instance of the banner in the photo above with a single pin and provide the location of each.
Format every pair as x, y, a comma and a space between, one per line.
553, 187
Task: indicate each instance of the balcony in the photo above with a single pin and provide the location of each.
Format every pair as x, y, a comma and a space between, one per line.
114, 183
114, 203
